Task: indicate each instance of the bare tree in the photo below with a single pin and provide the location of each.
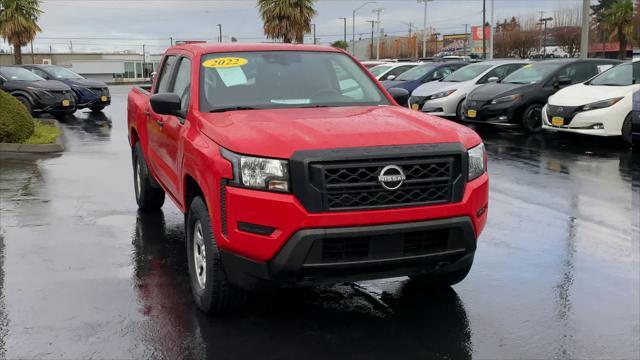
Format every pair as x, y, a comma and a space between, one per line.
567, 29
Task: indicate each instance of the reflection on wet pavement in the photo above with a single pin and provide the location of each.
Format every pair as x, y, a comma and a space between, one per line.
83, 274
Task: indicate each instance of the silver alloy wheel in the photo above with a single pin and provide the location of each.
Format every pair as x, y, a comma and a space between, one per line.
138, 177
199, 255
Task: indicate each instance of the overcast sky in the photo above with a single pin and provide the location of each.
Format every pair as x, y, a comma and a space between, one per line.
110, 25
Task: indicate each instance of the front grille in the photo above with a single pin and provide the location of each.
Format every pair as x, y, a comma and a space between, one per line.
355, 185
385, 246
567, 112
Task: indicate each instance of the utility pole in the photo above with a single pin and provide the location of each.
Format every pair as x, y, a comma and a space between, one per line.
314, 33
144, 57
424, 28
33, 60
378, 11
484, 21
353, 33
171, 39
466, 38
373, 24
345, 28
544, 36
584, 38
491, 31
219, 33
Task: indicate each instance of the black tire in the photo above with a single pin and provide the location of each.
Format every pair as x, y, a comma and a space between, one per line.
459, 115
627, 130
26, 103
212, 292
532, 118
440, 280
97, 108
148, 197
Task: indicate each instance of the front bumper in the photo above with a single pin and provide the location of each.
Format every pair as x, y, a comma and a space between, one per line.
91, 97
441, 107
54, 103
287, 220
602, 122
496, 114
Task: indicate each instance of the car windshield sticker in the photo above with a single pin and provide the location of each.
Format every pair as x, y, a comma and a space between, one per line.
225, 62
291, 101
603, 68
232, 76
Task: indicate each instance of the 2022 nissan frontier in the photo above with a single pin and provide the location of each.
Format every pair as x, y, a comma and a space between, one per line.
294, 166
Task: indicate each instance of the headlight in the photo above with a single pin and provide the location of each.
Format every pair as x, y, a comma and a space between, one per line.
477, 161
601, 104
441, 94
506, 99
258, 173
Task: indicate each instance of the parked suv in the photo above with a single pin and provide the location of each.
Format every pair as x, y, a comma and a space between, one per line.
88, 93
518, 99
38, 95
294, 167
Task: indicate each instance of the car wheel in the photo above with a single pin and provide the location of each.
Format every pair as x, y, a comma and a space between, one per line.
26, 103
148, 197
97, 108
532, 118
440, 280
459, 115
626, 130
212, 292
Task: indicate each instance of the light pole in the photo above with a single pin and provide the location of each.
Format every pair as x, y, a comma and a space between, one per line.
424, 28
378, 11
544, 36
373, 24
314, 33
219, 32
491, 32
353, 41
584, 37
345, 28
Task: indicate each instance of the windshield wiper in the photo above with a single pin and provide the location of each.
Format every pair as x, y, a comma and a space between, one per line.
232, 108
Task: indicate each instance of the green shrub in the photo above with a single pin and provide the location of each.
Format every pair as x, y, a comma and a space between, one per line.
16, 124
43, 134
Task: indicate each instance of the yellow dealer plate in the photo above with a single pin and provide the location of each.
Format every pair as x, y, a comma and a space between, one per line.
557, 121
66, 103
225, 62
415, 106
104, 98
472, 113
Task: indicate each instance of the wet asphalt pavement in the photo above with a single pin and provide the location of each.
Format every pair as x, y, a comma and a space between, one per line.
556, 274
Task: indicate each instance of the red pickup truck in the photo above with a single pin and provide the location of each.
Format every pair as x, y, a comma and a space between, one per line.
294, 166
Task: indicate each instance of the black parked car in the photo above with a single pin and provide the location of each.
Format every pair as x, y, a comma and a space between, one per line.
38, 95
518, 99
89, 94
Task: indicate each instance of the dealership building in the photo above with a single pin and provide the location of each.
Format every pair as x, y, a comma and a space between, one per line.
106, 67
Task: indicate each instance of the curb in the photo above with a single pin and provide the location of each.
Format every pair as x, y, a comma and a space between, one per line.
57, 146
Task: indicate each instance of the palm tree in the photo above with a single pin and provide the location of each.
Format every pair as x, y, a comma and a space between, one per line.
286, 19
616, 17
18, 23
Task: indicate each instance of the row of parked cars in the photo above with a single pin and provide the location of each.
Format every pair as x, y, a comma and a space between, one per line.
54, 90
586, 96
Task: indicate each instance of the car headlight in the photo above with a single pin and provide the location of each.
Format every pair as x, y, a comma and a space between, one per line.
441, 94
506, 99
258, 173
601, 104
477, 161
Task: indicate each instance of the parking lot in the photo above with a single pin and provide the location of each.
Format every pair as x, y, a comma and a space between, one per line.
556, 275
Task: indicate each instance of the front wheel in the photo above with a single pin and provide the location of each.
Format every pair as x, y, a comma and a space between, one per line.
148, 197
532, 119
459, 114
627, 130
212, 292
441, 280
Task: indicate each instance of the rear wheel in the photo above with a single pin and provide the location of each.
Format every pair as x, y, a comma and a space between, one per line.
211, 290
626, 130
441, 280
148, 197
532, 119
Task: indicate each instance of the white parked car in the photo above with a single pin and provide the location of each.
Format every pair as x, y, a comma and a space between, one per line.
391, 71
445, 97
601, 106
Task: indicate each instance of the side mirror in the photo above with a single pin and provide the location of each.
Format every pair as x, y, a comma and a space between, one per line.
391, 77
153, 76
493, 79
564, 81
166, 104
401, 96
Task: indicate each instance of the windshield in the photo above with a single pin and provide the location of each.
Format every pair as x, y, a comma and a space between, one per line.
20, 74
277, 79
415, 73
379, 70
531, 73
467, 73
621, 75
62, 73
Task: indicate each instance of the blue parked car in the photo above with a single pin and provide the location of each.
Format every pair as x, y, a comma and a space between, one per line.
411, 79
88, 93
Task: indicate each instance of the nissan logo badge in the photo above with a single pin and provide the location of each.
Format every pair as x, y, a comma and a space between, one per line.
391, 177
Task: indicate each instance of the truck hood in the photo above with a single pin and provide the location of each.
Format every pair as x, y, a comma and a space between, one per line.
581, 94
281, 132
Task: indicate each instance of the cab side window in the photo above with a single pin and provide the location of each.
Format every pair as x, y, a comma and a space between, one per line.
579, 72
40, 73
181, 85
500, 72
165, 74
